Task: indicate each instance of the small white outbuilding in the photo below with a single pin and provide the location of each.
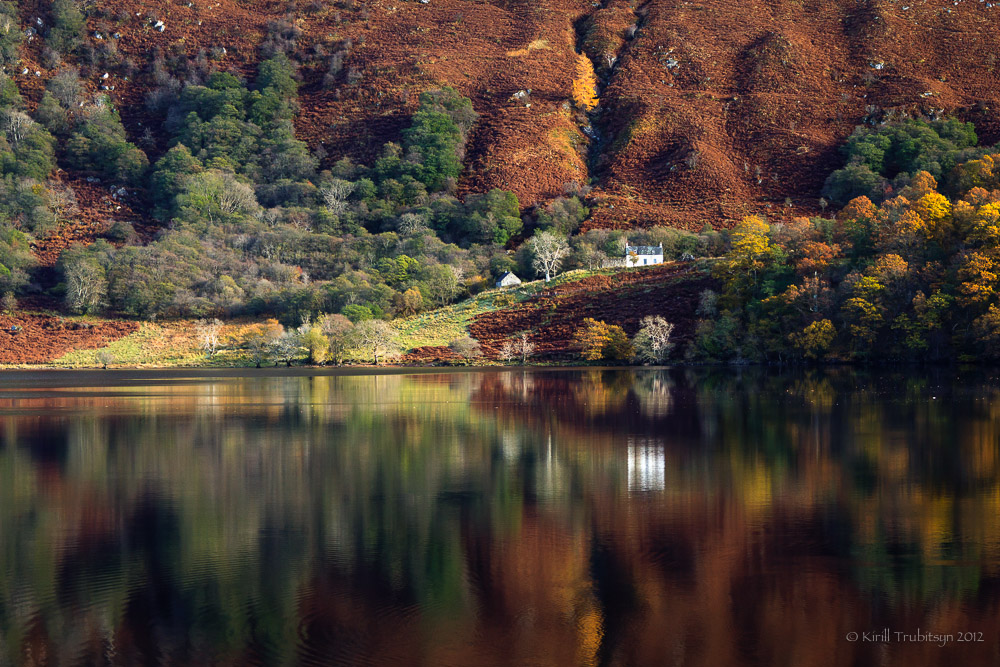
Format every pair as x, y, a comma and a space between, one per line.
508, 280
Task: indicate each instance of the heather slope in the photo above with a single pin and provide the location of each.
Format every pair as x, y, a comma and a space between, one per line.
710, 110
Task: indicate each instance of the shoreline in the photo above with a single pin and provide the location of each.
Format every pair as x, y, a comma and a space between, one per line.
9, 376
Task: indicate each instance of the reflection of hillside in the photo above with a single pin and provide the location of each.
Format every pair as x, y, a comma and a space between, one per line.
485, 518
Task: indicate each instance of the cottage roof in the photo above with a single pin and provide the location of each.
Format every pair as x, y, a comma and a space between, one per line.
644, 249
508, 274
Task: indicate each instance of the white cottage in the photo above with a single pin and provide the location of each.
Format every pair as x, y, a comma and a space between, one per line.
508, 280
643, 255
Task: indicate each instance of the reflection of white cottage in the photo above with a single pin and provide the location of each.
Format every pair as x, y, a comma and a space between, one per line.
643, 255
508, 280
647, 465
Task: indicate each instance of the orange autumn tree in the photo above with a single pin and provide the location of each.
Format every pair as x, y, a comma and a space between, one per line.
598, 340
585, 84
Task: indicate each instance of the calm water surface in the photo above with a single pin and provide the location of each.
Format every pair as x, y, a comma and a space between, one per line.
501, 518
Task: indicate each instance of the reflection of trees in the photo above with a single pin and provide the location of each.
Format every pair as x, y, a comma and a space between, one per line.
595, 516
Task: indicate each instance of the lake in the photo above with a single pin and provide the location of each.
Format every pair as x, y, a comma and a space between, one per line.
546, 517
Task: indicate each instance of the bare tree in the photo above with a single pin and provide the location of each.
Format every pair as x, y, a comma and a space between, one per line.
8, 304
66, 87
376, 337
86, 286
63, 202
287, 346
208, 334
335, 194
549, 249
466, 347
523, 347
410, 223
219, 194
506, 351
652, 342
15, 126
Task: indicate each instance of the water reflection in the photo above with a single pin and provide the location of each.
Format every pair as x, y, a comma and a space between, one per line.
551, 517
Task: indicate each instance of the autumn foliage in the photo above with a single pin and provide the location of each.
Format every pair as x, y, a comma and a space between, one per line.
597, 340
916, 277
585, 84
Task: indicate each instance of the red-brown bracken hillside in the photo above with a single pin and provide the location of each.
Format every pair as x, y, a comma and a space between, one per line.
709, 110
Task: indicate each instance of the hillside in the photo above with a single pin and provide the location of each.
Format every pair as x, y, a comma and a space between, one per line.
548, 313
381, 158
710, 110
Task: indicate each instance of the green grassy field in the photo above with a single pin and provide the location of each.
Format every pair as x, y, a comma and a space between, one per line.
440, 327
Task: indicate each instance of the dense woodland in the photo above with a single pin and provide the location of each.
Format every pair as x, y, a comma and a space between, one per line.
906, 271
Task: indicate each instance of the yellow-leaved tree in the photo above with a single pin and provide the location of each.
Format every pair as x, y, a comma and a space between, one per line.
598, 340
815, 340
585, 84
751, 251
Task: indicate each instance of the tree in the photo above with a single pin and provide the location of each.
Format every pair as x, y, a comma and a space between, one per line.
978, 274
815, 340
8, 304
215, 196
208, 332
335, 195
523, 347
549, 249
585, 84
409, 302
86, 284
507, 351
287, 346
316, 343
10, 33
377, 337
652, 342
443, 283
466, 347
339, 333
105, 358
259, 340
598, 340
749, 255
